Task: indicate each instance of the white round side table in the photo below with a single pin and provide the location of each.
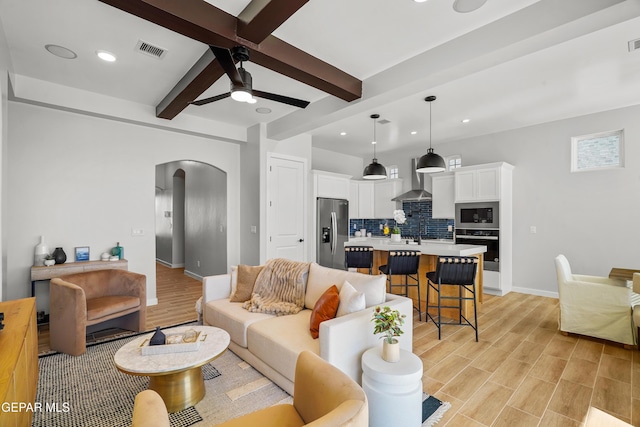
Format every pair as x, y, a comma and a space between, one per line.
394, 390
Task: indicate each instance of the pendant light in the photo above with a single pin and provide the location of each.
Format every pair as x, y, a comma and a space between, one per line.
375, 170
430, 162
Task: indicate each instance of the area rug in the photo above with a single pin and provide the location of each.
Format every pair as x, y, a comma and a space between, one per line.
88, 390
432, 410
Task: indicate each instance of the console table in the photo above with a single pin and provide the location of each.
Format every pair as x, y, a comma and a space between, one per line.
59, 270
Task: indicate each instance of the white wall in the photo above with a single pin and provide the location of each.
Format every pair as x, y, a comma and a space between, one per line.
5, 66
591, 217
87, 181
330, 161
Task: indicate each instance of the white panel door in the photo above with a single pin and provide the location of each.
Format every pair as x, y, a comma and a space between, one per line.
285, 210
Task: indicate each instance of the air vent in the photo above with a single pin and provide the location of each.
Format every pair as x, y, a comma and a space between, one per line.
634, 45
151, 50
383, 121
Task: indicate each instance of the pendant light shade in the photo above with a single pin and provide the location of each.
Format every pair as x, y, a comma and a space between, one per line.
374, 170
430, 162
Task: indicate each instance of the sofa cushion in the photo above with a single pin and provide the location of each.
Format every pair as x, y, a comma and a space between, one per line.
278, 341
231, 317
321, 278
106, 306
326, 308
350, 300
246, 277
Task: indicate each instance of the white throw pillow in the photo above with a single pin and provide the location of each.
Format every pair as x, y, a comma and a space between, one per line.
350, 300
234, 279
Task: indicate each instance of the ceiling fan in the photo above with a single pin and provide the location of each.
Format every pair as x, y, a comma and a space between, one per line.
241, 81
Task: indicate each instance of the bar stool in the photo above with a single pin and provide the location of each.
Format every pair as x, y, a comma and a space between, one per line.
454, 271
403, 263
358, 257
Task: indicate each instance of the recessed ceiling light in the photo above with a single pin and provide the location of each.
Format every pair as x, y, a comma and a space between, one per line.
413, 132
343, 133
60, 51
419, 1
263, 110
466, 120
106, 56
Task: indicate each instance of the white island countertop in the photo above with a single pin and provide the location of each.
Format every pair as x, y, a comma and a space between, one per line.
428, 247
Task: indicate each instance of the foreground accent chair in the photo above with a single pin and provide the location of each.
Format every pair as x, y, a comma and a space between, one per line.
94, 300
323, 396
594, 306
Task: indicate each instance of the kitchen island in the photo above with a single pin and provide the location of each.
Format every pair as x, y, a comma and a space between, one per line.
431, 250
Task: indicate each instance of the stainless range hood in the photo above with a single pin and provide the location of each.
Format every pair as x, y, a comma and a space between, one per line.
417, 192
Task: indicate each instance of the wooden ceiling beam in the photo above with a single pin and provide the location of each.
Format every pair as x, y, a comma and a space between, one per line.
207, 24
262, 17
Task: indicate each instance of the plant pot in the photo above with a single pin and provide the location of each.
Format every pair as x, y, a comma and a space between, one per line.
49, 262
391, 351
396, 237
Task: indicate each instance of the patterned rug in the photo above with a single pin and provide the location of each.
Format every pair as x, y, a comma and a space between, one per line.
89, 391
432, 410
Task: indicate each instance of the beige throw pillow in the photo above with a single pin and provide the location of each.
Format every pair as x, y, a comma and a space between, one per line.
350, 300
247, 275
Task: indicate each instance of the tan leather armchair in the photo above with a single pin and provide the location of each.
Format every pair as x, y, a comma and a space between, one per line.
323, 396
115, 298
594, 306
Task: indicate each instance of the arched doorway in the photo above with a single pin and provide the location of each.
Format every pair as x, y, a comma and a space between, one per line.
191, 217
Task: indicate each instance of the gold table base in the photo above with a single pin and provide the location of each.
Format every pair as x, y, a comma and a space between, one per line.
179, 390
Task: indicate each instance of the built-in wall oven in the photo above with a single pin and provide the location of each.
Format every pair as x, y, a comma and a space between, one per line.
488, 238
479, 224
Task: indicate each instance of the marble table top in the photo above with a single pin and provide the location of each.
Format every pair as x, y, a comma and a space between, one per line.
129, 358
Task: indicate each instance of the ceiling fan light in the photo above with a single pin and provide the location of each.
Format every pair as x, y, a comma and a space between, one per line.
466, 6
374, 171
252, 100
241, 94
430, 163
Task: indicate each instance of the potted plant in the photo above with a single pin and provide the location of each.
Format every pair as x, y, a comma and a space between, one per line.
49, 260
388, 322
400, 218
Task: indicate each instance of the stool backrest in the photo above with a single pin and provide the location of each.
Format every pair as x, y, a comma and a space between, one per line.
404, 262
358, 257
456, 270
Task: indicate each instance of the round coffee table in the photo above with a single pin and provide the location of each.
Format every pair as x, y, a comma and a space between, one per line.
177, 377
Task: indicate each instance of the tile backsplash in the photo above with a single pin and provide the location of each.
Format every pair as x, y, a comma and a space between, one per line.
419, 221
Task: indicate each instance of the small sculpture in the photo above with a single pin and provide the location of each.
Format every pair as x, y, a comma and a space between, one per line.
158, 337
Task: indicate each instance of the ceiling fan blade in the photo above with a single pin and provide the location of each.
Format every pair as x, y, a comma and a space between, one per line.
212, 99
280, 98
223, 55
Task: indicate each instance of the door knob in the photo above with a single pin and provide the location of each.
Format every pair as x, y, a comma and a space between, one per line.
301, 240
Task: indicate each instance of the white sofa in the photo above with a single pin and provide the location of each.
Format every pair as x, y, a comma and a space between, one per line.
271, 344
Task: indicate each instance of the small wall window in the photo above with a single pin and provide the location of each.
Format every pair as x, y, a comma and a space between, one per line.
454, 162
604, 150
392, 171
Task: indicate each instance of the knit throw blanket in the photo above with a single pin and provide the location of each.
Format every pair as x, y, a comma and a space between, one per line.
279, 288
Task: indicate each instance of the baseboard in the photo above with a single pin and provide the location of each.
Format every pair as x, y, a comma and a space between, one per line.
152, 301
193, 275
537, 292
168, 264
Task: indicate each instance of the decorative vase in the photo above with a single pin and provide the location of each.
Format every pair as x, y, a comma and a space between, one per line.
390, 351
59, 256
396, 237
40, 252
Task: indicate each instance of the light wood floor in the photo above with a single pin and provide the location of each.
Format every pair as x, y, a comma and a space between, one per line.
523, 372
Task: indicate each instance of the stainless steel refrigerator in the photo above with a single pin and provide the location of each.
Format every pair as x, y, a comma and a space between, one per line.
332, 231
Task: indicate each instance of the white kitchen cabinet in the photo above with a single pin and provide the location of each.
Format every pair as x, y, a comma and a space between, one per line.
331, 185
443, 191
366, 195
384, 192
481, 182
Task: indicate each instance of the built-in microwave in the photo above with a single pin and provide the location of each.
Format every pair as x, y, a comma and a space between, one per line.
477, 215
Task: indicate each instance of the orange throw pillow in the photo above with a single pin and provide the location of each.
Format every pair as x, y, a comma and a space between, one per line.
325, 309
247, 276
